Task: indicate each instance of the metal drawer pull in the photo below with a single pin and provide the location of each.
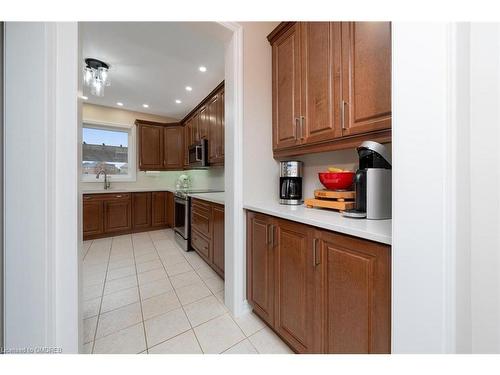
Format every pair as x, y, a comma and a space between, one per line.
297, 124
118, 196
315, 250
302, 121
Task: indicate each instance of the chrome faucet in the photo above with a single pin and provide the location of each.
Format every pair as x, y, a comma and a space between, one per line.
107, 183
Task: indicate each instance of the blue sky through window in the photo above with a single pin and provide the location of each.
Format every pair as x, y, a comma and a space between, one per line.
108, 137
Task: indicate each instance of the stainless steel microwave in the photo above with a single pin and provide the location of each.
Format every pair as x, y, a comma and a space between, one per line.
198, 154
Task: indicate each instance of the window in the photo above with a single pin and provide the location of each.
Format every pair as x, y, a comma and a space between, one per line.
109, 148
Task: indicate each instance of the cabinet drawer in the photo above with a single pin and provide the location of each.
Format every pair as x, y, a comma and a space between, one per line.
200, 220
105, 196
200, 244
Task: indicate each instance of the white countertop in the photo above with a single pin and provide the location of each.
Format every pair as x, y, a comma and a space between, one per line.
374, 230
210, 197
126, 190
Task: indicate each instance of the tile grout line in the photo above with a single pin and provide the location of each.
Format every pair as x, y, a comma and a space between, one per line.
182, 307
102, 296
140, 298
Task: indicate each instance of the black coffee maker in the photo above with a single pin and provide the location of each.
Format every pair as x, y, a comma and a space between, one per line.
291, 182
373, 183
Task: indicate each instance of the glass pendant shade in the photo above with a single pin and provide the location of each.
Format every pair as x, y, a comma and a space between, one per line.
96, 76
97, 88
103, 76
88, 75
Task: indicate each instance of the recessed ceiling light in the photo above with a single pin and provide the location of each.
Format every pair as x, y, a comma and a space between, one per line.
84, 97
178, 101
119, 104
202, 68
145, 105
189, 88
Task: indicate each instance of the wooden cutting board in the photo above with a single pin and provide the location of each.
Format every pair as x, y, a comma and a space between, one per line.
334, 200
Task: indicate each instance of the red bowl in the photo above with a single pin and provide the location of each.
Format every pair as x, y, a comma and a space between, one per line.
336, 181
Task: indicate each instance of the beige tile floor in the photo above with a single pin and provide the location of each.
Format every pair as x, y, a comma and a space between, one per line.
143, 294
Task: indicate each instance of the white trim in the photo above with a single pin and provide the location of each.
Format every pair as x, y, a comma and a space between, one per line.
132, 153
235, 261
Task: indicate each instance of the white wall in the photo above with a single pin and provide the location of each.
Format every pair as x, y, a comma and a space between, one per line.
41, 204
485, 186
422, 315
212, 178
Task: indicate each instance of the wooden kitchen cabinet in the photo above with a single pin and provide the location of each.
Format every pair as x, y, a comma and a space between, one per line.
366, 76
207, 233
286, 88
159, 208
260, 265
320, 291
161, 146
170, 209
207, 121
357, 295
141, 208
331, 85
298, 274
117, 213
150, 140
218, 254
93, 213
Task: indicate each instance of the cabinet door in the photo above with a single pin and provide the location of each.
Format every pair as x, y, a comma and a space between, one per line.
173, 146
188, 139
159, 208
260, 266
297, 281
92, 216
118, 214
203, 123
213, 129
141, 210
321, 42
222, 117
357, 290
286, 88
150, 147
195, 129
170, 209
366, 76
218, 239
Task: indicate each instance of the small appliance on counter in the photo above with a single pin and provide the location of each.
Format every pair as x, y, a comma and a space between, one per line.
291, 182
373, 183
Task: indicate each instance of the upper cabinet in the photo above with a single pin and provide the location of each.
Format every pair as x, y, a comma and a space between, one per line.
206, 121
331, 85
161, 146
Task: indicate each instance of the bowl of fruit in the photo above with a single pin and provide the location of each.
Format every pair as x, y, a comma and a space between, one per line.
336, 179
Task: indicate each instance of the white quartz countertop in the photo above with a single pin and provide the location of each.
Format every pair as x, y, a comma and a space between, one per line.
126, 190
210, 197
374, 230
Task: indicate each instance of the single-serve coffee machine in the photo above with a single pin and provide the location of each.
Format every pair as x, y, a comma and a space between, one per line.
373, 183
291, 182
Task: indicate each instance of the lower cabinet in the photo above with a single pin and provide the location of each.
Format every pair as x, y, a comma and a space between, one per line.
110, 214
321, 291
207, 233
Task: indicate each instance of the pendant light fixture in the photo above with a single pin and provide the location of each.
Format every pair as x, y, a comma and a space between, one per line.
96, 76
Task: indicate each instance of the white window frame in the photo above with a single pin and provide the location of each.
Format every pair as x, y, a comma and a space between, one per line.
132, 154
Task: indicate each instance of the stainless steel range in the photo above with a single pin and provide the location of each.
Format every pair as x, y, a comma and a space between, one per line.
182, 215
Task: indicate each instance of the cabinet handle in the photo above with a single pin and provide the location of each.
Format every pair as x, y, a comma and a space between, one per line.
315, 251
118, 196
342, 114
87, 198
297, 124
302, 122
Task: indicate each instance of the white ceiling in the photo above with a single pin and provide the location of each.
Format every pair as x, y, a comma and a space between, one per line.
153, 62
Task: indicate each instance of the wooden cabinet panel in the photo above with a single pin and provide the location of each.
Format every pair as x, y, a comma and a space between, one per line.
118, 214
260, 266
150, 139
357, 291
195, 132
222, 129
203, 123
201, 245
200, 219
173, 147
214, 129
218, 239
286, 88
159, 208
141, 210
366, 76
297, 279
188, 140
320, 81
93, 218
170, 209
